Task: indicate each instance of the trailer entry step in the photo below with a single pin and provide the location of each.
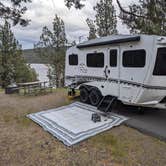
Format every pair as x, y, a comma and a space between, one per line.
106, 103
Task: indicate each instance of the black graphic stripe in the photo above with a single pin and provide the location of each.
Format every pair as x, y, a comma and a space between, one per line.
91, 78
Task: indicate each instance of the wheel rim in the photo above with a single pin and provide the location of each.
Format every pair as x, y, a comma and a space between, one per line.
84, 95
94, 98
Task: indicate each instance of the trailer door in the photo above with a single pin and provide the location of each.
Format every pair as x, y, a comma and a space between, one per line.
112, 71
132, 73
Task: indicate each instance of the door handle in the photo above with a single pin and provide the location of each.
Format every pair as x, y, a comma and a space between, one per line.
105, 71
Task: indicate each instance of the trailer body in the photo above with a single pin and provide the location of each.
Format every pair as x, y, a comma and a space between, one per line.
131, 68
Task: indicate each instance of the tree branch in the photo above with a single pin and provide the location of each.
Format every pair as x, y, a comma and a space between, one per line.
128, 12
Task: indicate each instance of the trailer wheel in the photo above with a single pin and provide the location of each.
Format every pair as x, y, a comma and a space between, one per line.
95, 97
84, 95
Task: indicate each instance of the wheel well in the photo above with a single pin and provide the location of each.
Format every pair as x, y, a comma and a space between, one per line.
84, 86
89, 88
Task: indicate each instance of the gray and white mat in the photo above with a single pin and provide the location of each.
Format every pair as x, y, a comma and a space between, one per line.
72, 123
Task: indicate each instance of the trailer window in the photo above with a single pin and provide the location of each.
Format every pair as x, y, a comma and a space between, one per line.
160, 66
134, 58
113, 58
95, 60
73, 59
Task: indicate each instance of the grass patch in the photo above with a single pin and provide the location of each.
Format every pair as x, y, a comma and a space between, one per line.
105, 140
7, 118
64, 90
110, 142
35, 92
38, 92
1, 90
24, 121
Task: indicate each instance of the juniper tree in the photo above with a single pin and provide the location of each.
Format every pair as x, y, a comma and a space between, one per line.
149, 16
13, 66
52, 47
92, 29
14, 11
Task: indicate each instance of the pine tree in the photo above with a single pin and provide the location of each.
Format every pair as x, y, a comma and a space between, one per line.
52, 47
14, 11
92, 29
76, 3
13, 67
105, 22
105, 18
149, 17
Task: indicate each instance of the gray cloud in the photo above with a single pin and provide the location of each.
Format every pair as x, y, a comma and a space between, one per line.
41, 13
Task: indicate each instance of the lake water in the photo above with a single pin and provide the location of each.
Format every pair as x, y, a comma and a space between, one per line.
41, 70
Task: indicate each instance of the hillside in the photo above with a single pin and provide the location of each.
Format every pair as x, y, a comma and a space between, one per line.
31, 57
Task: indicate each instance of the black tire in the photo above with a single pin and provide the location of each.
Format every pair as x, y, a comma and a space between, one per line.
142, 110
84, 95
95, 97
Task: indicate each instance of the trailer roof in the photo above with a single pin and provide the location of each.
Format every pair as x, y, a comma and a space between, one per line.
113, 39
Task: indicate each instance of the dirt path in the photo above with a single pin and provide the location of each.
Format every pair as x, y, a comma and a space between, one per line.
23, 143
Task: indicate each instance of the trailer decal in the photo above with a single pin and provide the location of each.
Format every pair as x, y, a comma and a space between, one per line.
101, 79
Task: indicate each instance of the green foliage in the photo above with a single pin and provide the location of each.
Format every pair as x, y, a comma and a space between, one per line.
76, 3
13, 67
105, 22
149, 17
24, 73
105, 18
51, 47
92, 29
13, 10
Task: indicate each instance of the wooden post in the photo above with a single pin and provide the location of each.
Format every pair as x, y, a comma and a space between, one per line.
44, 87
24, 90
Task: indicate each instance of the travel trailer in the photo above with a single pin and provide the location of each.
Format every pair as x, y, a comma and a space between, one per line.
129, 68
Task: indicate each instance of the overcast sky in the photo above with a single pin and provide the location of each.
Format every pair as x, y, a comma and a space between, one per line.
42, 12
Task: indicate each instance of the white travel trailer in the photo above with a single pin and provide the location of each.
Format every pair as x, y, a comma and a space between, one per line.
129, 68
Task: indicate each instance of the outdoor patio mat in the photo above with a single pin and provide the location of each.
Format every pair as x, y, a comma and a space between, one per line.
72, 123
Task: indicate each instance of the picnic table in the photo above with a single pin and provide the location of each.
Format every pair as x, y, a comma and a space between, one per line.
34, 87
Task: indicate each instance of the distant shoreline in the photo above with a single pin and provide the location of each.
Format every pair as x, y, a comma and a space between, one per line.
41, 70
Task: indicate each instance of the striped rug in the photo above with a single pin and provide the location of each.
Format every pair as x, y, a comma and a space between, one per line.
72, 124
